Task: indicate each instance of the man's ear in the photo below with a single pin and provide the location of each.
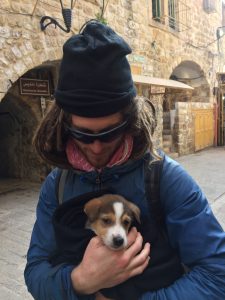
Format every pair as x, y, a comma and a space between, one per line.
91, 208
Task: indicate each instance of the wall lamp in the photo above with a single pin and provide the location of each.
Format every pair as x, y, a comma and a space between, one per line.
67, 17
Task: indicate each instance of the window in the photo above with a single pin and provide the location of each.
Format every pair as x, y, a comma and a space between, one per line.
209, 6
173, 13
157, 10
223, 14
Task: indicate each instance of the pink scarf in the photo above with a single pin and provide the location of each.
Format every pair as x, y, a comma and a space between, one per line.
79, 162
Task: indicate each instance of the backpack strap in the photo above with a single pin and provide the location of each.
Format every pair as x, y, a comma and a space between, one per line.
60, 184
153, 171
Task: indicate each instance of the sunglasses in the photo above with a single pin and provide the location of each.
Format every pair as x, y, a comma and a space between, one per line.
103, 136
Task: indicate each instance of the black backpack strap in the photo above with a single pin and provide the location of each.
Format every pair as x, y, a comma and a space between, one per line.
153, 171
60, 184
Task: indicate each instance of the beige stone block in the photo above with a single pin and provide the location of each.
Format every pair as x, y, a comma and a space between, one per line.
15, 6
12, 21
29, 46
3, 62
16, 33
182, 111
10, 56
2, 43
3, 20
16, 51
27, 9
23, 50
4, 31
28, 62
5, 4
20, 68
3, 85
37, 45
8, 72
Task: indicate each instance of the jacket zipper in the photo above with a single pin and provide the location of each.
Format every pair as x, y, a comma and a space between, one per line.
98, 181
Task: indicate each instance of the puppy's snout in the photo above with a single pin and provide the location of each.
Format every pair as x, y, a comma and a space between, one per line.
118, 241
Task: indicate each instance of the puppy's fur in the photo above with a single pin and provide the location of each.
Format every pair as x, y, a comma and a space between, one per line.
110, 217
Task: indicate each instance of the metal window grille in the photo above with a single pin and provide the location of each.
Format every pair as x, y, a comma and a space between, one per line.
173, 13
177, 16
157, 10
209, 6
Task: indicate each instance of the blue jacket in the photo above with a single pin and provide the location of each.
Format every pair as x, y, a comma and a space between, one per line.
191, 225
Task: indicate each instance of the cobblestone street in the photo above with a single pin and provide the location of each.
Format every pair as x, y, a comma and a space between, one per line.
17, 214
18, 200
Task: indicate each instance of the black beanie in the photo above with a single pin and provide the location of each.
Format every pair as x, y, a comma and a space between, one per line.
95, 77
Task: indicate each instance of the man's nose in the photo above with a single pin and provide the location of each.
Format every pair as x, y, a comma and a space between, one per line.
96, 147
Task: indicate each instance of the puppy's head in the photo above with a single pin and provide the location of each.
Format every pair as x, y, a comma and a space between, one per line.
110, 217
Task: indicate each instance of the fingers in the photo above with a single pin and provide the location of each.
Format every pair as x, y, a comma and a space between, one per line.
139, 269
135, 247
131, 236
141, 258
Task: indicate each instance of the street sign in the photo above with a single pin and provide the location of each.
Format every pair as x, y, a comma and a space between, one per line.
34, 87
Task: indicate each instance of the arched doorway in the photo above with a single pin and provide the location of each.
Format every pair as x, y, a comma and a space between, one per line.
191, 73
180, 132
20, 114
17, 123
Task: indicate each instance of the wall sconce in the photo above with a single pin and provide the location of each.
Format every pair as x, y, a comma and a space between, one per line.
67, 17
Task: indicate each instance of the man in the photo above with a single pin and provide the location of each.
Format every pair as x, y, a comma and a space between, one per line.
102, 133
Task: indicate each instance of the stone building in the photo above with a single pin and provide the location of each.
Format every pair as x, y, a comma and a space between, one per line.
174, 42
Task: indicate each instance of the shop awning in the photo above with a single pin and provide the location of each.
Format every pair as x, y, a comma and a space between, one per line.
161, 82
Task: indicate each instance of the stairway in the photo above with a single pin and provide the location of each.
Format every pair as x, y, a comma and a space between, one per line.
168, 147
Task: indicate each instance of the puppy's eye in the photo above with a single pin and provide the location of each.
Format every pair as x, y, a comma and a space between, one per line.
126, 223
106, 221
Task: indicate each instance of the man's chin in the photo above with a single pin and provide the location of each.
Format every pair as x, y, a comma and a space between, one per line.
98, 163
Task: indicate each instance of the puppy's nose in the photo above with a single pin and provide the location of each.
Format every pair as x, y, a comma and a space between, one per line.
118, 241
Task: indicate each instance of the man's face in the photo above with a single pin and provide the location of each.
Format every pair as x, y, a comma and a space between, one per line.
98, 153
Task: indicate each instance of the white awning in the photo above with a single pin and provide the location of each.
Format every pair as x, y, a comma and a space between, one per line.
167, 83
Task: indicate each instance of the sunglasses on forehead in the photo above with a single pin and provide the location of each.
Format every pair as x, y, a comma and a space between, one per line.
103, 136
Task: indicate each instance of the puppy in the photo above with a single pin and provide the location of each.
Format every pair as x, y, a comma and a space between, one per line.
110, 217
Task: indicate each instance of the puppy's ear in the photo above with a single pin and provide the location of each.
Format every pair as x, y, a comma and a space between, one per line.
135, 210
91, 208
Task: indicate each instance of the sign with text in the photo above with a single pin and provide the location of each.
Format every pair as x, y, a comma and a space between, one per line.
34, 87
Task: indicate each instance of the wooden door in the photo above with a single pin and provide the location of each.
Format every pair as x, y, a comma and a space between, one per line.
204, 128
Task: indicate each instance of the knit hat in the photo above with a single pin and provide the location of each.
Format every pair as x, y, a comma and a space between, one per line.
95, 77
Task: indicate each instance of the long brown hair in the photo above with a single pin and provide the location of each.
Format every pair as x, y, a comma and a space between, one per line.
50, 138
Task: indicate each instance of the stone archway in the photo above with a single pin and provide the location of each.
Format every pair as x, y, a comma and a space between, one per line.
19, 118
17, 123
178, 115
190, 72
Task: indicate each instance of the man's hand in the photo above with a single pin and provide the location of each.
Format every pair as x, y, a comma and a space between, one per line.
102, 267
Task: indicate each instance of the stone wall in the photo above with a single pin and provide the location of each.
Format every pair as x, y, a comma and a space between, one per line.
184, 129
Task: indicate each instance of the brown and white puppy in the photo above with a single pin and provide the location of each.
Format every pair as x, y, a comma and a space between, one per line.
110, 217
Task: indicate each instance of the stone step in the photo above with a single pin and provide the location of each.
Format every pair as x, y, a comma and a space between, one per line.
166, 131
166, 126
167, 144
166, 114
166, 149
167, 137
166, 119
